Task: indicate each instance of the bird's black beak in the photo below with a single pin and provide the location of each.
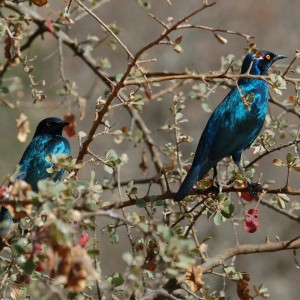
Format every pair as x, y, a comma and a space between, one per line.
65, 123
279, 56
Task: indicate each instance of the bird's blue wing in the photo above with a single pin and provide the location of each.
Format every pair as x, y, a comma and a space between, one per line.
33, 163
237, 126
230, 130
5, 221
33, 167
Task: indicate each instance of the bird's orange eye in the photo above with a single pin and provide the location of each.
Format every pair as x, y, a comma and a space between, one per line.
49, 124
268, 56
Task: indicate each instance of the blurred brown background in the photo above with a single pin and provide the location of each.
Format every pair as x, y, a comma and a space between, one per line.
274, 24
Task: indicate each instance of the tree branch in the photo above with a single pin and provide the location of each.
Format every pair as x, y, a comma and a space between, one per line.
226, 254
159, 294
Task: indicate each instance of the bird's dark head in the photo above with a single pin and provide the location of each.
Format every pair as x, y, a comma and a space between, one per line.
52, 126
262, 61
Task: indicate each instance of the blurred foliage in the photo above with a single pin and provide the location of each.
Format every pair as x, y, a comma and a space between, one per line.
54, 252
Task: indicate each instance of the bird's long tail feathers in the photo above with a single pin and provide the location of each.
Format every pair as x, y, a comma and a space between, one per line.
188, 182
5, 221
195, 173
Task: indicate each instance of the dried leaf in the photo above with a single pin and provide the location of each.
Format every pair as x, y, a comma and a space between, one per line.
259, 54
291, 99
19, 191
169, 167
139, 246
12, 50
296, 167
242, 287
147, 91
150, 259
124, 129
178, 48
178, 40
23, 127
81, 102
220, 39
143, 164
193, 278
70, 129
18, 291
151, 266
39, 3
78, 268
278, 162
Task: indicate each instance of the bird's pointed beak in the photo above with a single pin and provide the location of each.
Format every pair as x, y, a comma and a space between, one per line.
279, 56
65, 123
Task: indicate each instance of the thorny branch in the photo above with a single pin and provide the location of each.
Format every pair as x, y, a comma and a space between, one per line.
220, 258
118, 93
120, 84
236, 250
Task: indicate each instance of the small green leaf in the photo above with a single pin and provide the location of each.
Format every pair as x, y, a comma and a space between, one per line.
281, 203
117, 132
290, 158
149, 274
29, 267
144, 3
114, 238
219, 219
117, 280
141, 203
172, 272
227, 211
83, 183
108, 169
111, 155
159, 203
294, 133
93, 252
284, 197
17, 249
105, 63
206, 108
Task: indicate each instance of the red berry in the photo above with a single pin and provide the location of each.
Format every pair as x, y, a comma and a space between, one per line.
41, 266
250, 222
245, 195
84, 239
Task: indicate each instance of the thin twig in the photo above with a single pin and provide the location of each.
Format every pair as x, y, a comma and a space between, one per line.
296, 142
90, 12
123, 210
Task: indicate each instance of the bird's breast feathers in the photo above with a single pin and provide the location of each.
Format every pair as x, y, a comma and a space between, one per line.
34, 164
233, 126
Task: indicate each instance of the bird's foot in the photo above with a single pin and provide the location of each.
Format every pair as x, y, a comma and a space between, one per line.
216, 184
254, 188
216, 187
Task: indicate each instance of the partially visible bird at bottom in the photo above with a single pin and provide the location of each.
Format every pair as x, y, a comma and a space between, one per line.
47, 140
232, 127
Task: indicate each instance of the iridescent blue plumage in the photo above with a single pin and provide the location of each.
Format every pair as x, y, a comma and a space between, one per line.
47, 140
232, 128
